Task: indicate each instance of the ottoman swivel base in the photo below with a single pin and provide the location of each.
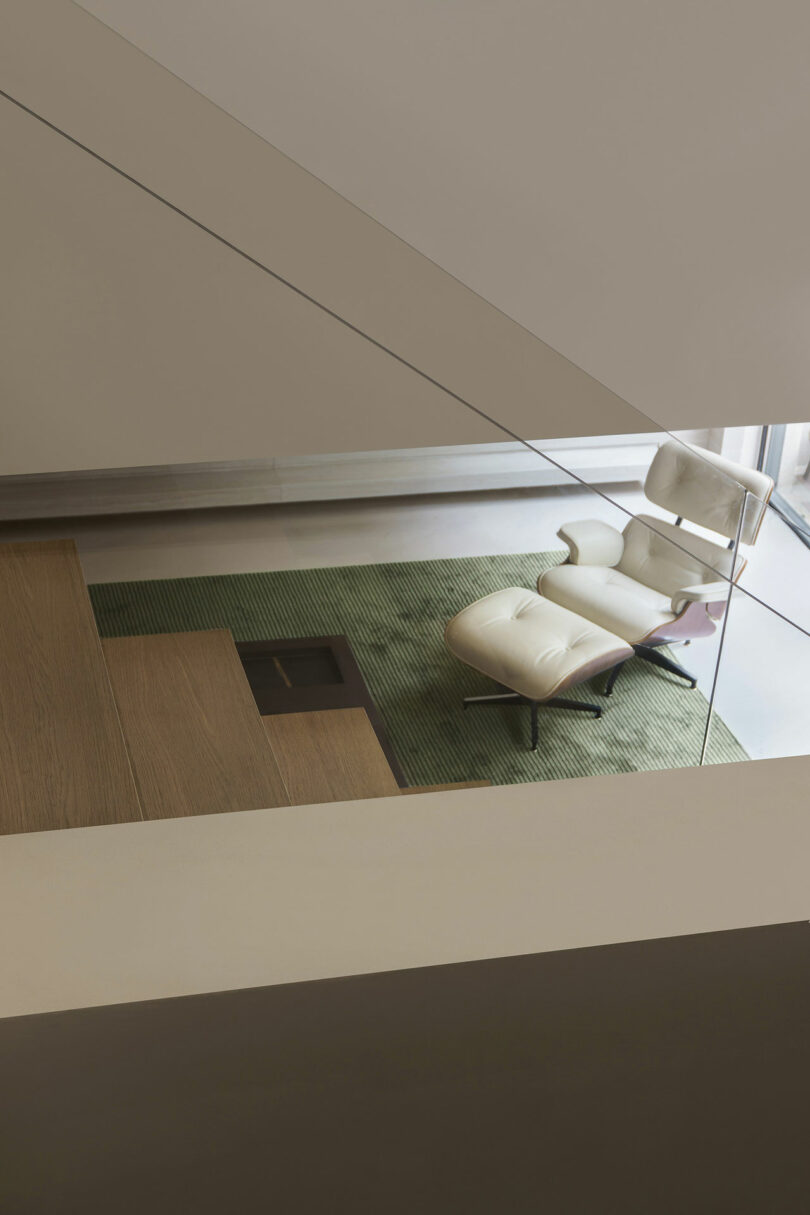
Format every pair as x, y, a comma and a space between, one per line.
515, 698
533, 648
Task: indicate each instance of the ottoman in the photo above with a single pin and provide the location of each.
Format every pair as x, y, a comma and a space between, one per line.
534, 648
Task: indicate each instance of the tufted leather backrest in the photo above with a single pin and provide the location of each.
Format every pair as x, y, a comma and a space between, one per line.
667, 558
707, 489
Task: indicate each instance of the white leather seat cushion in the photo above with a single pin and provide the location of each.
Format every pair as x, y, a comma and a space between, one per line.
530, 644
610, 598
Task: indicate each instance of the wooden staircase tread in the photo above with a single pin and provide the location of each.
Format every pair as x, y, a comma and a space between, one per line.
63, 760
191, 724
330, 755
463, 784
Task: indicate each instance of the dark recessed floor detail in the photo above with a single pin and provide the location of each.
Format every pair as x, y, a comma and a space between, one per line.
308, 674
653, 1077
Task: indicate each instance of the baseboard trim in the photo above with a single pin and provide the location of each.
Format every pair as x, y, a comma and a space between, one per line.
322, 478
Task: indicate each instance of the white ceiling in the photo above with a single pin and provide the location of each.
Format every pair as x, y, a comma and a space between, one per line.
629, 180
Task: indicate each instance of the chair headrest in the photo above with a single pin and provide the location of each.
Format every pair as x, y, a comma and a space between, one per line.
707, 489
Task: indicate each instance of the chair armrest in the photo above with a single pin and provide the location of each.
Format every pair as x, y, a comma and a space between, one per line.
592, 542
704, 592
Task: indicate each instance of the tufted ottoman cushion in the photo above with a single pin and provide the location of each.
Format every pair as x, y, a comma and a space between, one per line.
530, 644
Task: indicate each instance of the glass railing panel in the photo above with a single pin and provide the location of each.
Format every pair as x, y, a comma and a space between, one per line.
762, 680
681, 483
418, 538
659, 703
786, 458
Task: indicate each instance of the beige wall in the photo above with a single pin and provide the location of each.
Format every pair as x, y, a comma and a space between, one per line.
108, 914
133, 339
626, 179
130, 338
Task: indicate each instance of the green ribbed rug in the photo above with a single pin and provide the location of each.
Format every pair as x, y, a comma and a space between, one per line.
394, 617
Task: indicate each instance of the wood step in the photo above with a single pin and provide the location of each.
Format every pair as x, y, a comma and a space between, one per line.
330, 755
464, 784
63, 761
191, 724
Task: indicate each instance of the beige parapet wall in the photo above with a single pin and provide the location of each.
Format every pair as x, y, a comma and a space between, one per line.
133, 912
133, 339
